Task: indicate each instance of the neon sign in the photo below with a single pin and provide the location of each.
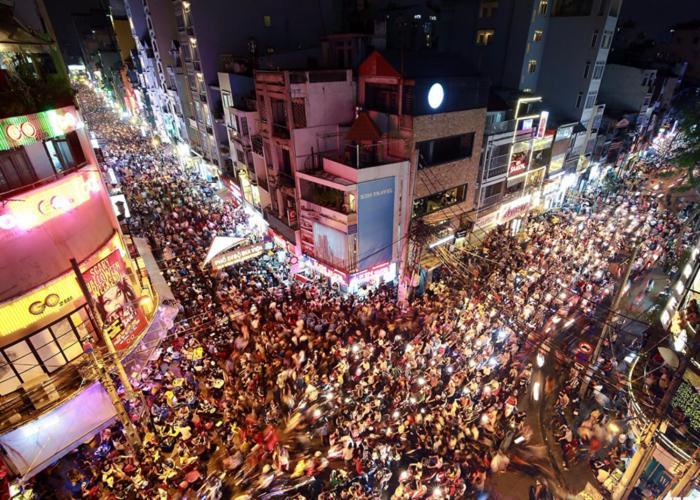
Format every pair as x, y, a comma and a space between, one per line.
23, 130
42, 205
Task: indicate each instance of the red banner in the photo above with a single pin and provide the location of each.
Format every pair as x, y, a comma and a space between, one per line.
115, 299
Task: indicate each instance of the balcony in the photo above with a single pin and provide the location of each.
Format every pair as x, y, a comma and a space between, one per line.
280, 226
332, 213
280, 131
39, 397
357, 156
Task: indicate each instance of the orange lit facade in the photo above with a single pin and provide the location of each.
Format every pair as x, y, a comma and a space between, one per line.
54, 207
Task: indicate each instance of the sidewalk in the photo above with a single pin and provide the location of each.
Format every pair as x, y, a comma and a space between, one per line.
163, 319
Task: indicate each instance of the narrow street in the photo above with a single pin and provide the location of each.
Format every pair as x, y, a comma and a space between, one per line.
289, 386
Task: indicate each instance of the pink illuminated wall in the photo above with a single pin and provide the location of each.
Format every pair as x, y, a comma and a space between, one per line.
42, 229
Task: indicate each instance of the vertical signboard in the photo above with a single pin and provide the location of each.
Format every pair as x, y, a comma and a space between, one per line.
116, 301
375, 219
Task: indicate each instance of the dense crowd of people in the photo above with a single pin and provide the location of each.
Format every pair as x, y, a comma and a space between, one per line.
295, 388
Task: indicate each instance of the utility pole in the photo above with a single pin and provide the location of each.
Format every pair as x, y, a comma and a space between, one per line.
611, 315
638, 462
680, 489
130, 431
112, 355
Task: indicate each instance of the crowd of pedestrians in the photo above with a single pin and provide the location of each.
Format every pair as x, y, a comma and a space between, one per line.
294, 388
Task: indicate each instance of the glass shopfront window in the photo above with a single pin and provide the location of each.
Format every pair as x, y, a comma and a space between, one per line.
44, 351
438, 201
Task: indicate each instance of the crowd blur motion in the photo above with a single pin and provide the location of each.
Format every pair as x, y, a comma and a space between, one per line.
268, 386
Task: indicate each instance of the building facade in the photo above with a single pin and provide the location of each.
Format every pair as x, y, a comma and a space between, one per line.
56, 220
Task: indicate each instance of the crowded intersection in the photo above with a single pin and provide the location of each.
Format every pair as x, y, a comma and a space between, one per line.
273, 387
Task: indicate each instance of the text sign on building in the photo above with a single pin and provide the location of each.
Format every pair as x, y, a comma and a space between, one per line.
54, 200
514, 209
27, 129
375, 222
238, 255
115, 299
542, 125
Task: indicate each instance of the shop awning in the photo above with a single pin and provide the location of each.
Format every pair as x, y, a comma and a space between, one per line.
220, 244
37, 444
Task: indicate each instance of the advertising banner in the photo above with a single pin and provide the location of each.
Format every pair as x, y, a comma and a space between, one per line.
238, 255
116, 301
556, 164
540, 158
519, 158
375, 221
330, 246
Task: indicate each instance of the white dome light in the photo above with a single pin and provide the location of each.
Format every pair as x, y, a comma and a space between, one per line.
436, 94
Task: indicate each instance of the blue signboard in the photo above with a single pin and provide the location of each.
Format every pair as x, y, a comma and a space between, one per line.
375, 221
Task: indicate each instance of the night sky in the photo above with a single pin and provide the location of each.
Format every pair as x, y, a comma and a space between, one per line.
655, 17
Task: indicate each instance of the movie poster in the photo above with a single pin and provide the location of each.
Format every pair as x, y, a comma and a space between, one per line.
115, 299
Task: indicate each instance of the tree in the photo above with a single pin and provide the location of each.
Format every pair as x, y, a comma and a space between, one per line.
689, 157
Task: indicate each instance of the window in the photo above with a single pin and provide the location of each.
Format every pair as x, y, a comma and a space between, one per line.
226, 98
590, 99
594, 40
598, 70
438, 201
15, 170
587, 69
532, 66
243, 129
382, 97
579, 97
299, 112
488, 7
645, 82
267, 21
615, 8
493, 190
483, 37
544, 4
44, 351
607, 39
537, 36
444, 150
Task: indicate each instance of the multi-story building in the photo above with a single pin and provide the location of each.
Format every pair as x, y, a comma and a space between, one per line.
299, 111
516, 155
684, 48
56, 220
241, 119
154, 30
429, 110
629, 88
576, 50
85, 34
208, 29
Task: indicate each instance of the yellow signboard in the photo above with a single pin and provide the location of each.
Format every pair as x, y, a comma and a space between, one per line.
51, 301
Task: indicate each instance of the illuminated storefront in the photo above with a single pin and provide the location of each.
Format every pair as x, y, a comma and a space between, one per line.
352, 283
24, 130
43, 314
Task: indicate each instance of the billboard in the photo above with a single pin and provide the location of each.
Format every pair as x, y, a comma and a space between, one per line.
115, 299
237, 255
330, 246
375, 222
519, 158
541, 158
